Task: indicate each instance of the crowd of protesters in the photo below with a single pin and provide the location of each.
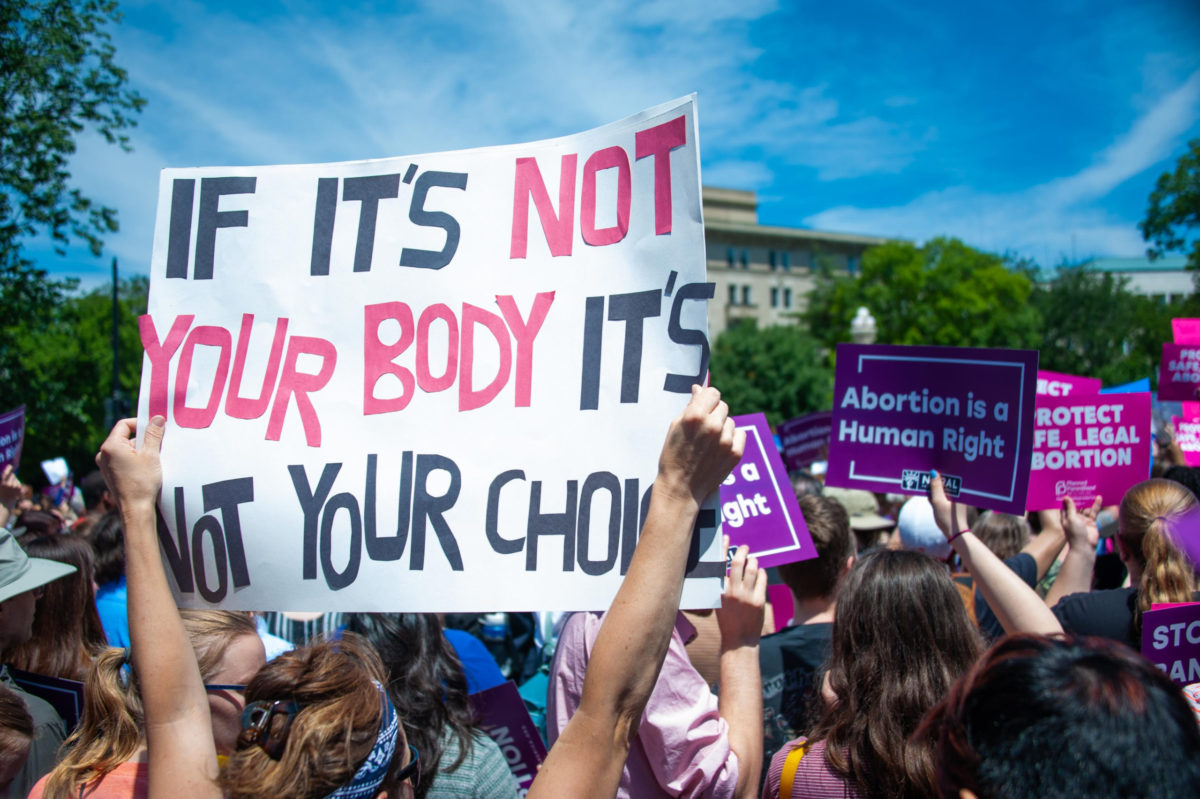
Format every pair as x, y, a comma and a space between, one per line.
932, 650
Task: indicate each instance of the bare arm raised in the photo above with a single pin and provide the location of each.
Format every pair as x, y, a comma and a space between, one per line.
702, 446
1016, 605
183, 758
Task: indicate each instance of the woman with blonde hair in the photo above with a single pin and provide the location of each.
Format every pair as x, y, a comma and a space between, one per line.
105, 755
1158, 570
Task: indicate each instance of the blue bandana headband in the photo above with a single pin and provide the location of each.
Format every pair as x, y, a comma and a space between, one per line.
370, 774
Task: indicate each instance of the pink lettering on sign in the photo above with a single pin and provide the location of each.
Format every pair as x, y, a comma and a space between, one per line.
558, 224
513, 334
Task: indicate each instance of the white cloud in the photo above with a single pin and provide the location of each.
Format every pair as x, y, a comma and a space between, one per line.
1055, 219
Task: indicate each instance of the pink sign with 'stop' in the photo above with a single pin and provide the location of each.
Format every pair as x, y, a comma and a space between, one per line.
1084, 447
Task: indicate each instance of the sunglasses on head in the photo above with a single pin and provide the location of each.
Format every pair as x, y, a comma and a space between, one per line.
257, 729
413, 769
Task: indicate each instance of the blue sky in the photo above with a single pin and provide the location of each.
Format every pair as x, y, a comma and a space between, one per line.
1026, 127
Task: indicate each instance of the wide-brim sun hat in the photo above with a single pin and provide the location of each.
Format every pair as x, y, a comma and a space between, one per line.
20, 573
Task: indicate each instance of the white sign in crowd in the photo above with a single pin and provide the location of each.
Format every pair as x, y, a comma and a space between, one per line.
430, 383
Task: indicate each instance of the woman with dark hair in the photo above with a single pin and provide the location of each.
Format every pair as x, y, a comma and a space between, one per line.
1060, 719
427, 685
901, 636
67, 632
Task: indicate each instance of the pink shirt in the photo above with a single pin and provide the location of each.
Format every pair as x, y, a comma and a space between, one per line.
682, 745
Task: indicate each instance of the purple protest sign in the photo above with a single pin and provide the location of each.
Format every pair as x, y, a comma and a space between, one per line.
1056, 384
758, 505
806, 439
1179, 372
1185, 331
12, 436
503, 716
967, 412
1171, 641
1084, 447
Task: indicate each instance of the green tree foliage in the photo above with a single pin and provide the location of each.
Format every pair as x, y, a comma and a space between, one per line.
778, 370
1173, 215
57, 79
1093, 325
942, 293
65, 373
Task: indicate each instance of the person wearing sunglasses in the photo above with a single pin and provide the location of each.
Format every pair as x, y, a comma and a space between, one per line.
317, 720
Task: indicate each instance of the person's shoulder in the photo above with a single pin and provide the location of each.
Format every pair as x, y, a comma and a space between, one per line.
1105, 613
1025, 566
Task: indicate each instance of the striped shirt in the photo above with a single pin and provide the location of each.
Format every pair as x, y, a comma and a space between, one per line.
814, 778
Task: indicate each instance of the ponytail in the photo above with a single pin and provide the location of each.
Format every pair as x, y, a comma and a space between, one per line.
1147, 511
110, 731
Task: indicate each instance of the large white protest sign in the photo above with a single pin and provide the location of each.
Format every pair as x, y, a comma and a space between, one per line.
430, 383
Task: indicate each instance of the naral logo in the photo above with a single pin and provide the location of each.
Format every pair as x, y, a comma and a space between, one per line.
918, 480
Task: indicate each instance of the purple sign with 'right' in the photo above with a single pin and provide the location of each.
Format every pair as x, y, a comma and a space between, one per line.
12, 436
1171, 641
967, 412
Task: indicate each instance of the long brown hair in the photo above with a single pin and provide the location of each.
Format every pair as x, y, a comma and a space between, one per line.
67, 632
1167, 575
330, 736
112, 726
901, 637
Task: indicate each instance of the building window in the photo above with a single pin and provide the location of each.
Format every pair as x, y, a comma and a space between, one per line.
787, 261
851, 264
745, 295
774, 297
771, 259
732, 294
745, 259
730, 255
787, 298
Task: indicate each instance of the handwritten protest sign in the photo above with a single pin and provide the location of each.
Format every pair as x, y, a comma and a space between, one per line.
1084, 447
1179, 372
503, 716
1056, 384
806, 439
758, 505
967, 412
430, 383
1185, 331
12, 437
1171, 641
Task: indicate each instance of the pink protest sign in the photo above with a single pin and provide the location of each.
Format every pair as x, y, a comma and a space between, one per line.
1084, 447
1056, 384
503, 716
783, 609
1185, 331
1179, 372
12, 436
1171, 641
806, 439
967, 412
758, 505
1187, 436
